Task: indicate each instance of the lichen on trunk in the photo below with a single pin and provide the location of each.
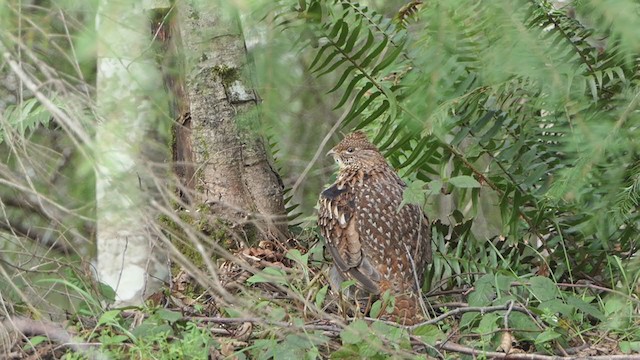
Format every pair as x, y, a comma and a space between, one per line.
231, 173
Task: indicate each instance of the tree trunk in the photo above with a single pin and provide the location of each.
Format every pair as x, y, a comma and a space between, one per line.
234, 176
127, 98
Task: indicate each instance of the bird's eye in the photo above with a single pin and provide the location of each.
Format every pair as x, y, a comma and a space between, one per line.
350, 150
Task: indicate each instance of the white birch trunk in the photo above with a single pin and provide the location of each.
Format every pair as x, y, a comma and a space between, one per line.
127, 256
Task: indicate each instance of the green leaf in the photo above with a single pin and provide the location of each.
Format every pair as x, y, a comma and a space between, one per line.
503, 282
109, 317
364, 47
34, 341
326, 61
585, 307
617, 311
277, 314
107, 292
352, 38
468, 319
388, 60
375, 52
347, 284
269, 275
355, 112
349, 351
314, 13
168, 315
435, 187
543, 288
628, 347
333, 66
336, 28
349, 89
464, 181
484, 292
529, 329
413, 194
151, 328
554, 306
547, 335
355, 333
375, 309
344, 76
319, 55
429, 333
321, 295
614, 304
488, 323
344, 31
296, 255
376, 114
106, 339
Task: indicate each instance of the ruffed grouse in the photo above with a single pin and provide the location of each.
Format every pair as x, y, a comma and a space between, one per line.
370, 237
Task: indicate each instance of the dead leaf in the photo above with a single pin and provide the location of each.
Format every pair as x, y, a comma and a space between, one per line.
506, 342
244, 331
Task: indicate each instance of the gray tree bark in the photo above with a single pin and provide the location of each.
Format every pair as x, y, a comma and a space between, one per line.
232, 174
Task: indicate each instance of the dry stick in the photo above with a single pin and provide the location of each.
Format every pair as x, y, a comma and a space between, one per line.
55, 333
322, 145
423, 306
597, 287
507, 313
448, 346
462, 310
418, 340
220, 320
61, 117
497, 355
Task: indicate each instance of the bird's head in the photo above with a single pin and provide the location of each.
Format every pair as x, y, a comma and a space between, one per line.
355, 151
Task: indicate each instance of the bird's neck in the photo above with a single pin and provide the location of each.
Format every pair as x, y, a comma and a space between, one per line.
357, 175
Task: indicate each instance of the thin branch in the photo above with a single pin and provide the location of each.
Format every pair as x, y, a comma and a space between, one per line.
507, 313
321, 147
62, 118
451, 346
480, 309
19, 229
333, 327
55, 333
600, 288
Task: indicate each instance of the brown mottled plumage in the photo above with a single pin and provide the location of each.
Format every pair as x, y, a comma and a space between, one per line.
370, 237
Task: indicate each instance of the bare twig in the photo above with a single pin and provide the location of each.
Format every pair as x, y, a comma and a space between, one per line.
507, 313
423, 306
480, 309
53, 332
451, 346
321, 147
599, 288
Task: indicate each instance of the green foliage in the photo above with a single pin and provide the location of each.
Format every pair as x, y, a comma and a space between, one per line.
523, 116
292, 346
552, 315
374, 341
162, 332
517, 103
514, 123
24, 118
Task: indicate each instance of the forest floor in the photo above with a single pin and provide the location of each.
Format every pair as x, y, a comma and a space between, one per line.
289, 313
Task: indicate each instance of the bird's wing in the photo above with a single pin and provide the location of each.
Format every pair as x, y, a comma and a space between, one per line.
338, 222
395, 237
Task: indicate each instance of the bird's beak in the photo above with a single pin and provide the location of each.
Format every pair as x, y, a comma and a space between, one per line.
331, 152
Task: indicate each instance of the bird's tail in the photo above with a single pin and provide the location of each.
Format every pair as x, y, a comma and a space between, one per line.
407, 310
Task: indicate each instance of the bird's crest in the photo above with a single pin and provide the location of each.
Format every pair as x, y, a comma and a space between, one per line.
357, 139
